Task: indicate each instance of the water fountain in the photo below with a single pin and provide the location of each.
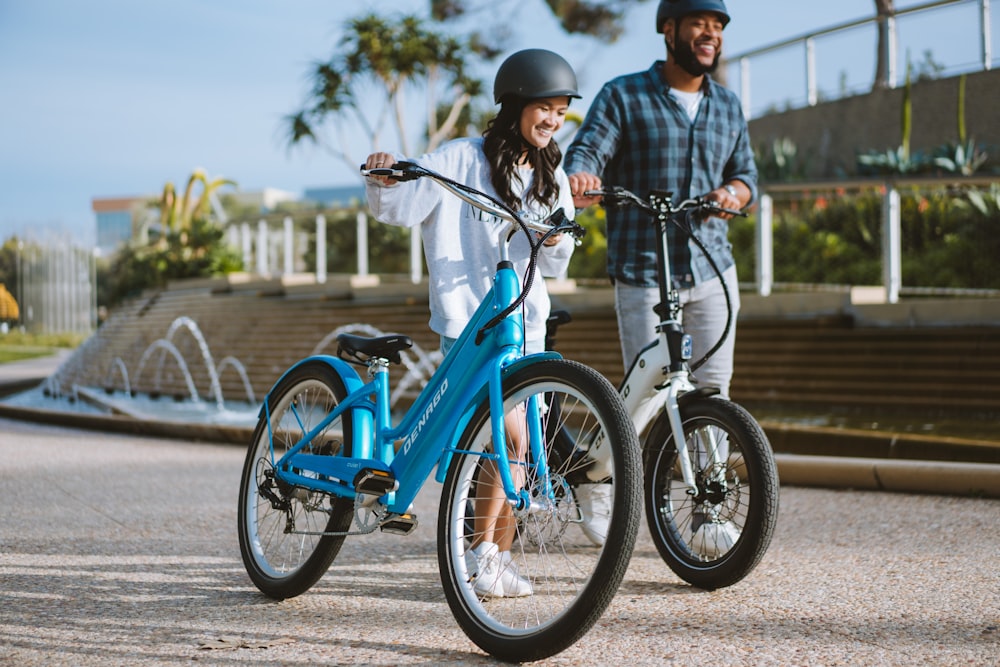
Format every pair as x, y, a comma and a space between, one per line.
62, 394
133, 388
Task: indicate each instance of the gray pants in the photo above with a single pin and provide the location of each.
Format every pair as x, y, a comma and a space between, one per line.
704, 317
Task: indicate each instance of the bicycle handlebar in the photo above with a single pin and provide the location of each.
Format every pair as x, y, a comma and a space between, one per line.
617, 196
556, 223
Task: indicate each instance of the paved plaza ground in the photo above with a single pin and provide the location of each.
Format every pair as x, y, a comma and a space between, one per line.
122, 550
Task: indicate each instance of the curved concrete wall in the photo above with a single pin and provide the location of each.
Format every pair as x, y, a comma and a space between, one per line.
831, 134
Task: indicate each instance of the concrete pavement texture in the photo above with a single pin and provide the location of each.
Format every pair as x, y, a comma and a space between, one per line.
122, 550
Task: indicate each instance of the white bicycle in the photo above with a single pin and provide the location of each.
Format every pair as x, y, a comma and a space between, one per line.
710, 480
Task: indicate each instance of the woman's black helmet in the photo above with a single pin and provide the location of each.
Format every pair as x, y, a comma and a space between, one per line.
674, 9
535, 73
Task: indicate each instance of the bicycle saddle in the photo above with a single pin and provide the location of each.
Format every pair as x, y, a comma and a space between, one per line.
383, 347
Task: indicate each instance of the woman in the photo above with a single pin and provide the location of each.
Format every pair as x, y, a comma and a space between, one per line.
516, 161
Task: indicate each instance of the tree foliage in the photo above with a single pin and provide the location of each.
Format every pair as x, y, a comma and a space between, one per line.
188, 243
365, 81
601, 19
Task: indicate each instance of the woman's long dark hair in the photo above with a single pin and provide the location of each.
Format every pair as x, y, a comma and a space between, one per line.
503, 146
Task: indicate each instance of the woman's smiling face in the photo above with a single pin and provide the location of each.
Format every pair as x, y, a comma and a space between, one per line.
542, 118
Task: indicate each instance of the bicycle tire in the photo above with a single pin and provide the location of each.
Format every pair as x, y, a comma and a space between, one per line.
280, 563
572, 581
717, 537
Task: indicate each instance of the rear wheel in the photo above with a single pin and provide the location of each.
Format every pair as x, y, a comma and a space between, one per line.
553, 583
282, 527
715, 536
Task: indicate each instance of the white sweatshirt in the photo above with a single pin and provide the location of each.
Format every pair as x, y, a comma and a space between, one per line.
460, 241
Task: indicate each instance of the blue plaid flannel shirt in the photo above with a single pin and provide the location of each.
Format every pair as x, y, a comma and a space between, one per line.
638, 137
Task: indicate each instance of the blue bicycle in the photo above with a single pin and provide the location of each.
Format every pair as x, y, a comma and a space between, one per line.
328, 459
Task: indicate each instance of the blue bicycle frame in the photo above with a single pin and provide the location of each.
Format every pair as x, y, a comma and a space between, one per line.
430, 429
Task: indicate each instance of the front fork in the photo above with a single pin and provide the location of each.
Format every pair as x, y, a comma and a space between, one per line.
647, 393
519, 499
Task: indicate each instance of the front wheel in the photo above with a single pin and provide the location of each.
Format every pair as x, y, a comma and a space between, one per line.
715, 534
289, 535
536, 587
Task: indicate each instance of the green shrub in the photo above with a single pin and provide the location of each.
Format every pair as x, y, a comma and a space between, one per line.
949, 239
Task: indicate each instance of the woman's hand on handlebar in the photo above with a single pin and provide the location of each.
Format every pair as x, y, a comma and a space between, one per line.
380, 161
551, 240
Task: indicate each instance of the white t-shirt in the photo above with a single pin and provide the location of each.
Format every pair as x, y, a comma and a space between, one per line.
460, 241
688, 101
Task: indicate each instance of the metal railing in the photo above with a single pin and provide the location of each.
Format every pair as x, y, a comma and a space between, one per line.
783, 87
892, 280
56, 287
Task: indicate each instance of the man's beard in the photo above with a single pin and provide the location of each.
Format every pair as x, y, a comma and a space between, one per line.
684, 56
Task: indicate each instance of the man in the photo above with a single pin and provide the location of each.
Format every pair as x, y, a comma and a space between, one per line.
669, 128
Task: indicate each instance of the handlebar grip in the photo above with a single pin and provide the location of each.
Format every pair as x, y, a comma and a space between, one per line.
400, 171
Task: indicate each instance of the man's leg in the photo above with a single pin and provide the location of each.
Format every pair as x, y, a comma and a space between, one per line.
705, 317
636, 319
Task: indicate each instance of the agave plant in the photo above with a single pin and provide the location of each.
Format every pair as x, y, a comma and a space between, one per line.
897, 160
176, 213
962, 157
985, 202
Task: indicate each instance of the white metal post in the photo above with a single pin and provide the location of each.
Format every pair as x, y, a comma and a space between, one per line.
246, 244
416, 267
891, 245
745, 86
262, 248
765, 246
362, 222
893, 56
986, 34
811, 96
320, 249
20, 284
288, 245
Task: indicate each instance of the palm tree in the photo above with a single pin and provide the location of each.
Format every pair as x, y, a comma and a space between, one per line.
394, 55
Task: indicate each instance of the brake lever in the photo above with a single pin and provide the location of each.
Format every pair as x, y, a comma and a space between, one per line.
563, 225
710, 205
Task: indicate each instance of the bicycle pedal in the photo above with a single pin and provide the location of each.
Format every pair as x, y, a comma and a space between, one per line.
399, 524
374, 482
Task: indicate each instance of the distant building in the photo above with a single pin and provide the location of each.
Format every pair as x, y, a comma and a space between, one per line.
265, 200
122, 219
117, 220
335, 196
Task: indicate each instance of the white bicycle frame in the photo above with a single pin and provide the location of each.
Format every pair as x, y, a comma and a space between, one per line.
656, 381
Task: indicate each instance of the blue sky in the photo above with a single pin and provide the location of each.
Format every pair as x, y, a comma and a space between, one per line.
106, 98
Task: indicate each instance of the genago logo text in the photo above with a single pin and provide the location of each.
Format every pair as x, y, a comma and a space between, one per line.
415, 433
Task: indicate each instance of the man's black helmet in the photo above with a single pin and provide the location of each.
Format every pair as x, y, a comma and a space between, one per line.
674, 9
535, 73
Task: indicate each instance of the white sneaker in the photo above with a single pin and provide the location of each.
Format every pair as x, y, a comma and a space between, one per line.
494, 574
595, 508
712, 539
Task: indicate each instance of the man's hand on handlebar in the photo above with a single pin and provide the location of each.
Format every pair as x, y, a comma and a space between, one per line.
578, 185
725, 200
